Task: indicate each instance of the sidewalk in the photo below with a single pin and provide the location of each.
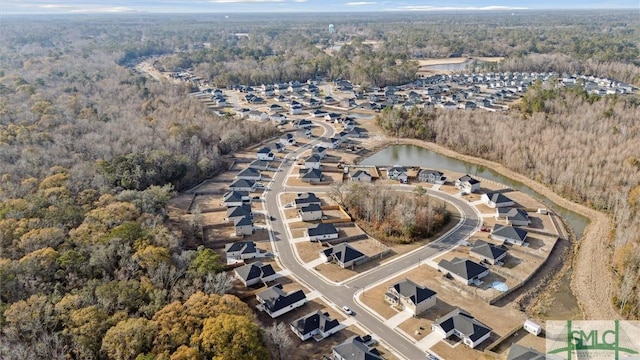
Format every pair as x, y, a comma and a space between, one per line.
398, 319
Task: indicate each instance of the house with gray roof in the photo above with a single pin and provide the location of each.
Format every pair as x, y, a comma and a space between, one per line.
355, 348
243, 226
259, 164
312, 162
320, 151
304, 199
496, 200
235, 198
397, 172
312, 176
275, 302
509, 234
464, 270
310, 212
344, 255
513, 216
431, 176
241, 250
360, 175
249, 174
251, 274
237, 212
265, 154
487, 252
288, 139
464, 326
317, 324
519, 352
410, 296
243, 185
467, 184
322, 232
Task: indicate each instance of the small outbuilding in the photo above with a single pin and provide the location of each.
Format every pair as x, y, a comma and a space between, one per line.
532, 327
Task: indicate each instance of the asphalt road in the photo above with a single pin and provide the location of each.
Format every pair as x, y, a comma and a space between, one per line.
341, 295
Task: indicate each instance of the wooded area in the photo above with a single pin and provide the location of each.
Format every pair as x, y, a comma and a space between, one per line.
91, 151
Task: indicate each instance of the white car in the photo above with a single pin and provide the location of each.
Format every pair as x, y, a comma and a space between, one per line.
347, 310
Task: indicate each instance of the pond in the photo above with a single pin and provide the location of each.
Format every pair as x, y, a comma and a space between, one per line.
411, 155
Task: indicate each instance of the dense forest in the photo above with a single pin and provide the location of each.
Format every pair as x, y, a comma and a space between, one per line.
91, 151
391, 215
585, 147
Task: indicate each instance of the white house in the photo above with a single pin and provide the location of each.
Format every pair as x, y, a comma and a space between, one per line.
513, 216
265, 154
344, 255
320, 151
467, 184
243, 226
316, 324
304, 199
509, 234
464, 326
356, 348
288, 139
238, 212
249, 174
310, 212
463, 270
360, 175
243, 185
312, 176
412, 297
397, 172
431, 176
254, 273
235, 198
485, 251
322, 232
312, 162
241, 250
496, 200
275, 302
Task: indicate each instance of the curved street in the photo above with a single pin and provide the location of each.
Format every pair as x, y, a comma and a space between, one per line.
347, 292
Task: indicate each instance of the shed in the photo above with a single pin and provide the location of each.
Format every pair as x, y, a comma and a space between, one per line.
532, 327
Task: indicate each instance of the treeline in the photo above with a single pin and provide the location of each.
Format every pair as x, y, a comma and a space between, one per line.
391, 215
90, 154
584, 148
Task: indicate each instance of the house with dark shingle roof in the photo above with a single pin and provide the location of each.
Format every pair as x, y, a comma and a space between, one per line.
310, 212
468, 184
249, 174
304, 199
312, 176
431, 176
243, 185
254, 273
360, 175
320, 151
355, 348
487, 252
321, 232
316, 324
275, 302
463, 270
397, 172
265, 154
513, 216
312, 162
509, 234
243, 226
463, 325
241, 250
288, 139
411, 296
259, 164
496, 200
237, 212
235, 198
344, 255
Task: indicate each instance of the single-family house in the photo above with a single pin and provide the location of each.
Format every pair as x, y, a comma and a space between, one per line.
513, 216
357, 132
397, 172
275, 302
467, 184
344, 255
496, 200
258, 115
355, 348
464, 326
318, 113
487, 252
519, 352
296, 109
265, 154
431, 176
259, 164
412, 297
304, 199
243, 226
275, 108
251, 274
320, 151
312, 162
509, 234
312, 176
238, 212
277, 147
278, 119
310, 212
464, 270
321, 232
288, 139
243, 185
235, 198
360, 175
329, 143
316, 324
249, 174
241, 250
303, 123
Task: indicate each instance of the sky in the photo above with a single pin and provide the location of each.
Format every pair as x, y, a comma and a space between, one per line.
235, 6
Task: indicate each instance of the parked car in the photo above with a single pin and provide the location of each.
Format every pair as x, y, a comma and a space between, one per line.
347, 310
485, 229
